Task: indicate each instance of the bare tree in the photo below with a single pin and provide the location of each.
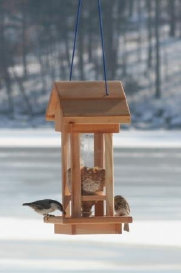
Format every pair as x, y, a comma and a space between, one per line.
149, 25
157, 49
171, 8
4, 61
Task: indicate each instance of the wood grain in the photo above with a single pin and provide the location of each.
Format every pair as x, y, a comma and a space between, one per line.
94, 107
97, 119
93, 128
89, 220
63, 229
89, 89
96, 229
75, 174
52, 103
58, 120
93, 198
109, 183
64, 150
87, 229
99, 162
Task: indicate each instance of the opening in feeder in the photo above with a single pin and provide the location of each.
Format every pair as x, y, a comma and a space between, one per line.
92, 177
87, 119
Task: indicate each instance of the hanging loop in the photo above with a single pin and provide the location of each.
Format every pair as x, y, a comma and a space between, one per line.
102, 41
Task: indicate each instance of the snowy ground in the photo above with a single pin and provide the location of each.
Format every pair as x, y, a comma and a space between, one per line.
49, 138
147, 172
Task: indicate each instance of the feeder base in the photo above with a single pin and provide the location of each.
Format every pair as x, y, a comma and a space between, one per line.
88, 229
88, 225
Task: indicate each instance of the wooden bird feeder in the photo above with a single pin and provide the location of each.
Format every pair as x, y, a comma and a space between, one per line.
77, 108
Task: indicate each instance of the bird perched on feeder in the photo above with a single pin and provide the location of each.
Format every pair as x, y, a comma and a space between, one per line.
45, 206
121, 208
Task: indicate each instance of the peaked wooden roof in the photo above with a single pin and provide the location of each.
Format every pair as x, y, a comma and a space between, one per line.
85, 102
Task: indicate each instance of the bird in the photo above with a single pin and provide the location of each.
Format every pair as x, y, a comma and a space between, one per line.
122, 208
46, 206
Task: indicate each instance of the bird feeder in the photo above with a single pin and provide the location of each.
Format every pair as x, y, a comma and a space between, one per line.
79, 108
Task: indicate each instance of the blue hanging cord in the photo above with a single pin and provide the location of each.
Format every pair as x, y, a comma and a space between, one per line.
75, 36
102, 42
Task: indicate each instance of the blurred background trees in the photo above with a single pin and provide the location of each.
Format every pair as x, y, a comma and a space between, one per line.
142, 40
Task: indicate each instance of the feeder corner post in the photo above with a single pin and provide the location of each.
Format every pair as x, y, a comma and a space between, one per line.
65, 146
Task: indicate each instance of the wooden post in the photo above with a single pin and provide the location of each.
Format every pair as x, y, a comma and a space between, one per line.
109, 183
65, 150
75, 174
99, 162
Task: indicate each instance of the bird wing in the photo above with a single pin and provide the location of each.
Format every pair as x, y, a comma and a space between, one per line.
42, 204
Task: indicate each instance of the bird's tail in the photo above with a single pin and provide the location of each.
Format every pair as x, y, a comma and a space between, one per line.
126, 227
26, 204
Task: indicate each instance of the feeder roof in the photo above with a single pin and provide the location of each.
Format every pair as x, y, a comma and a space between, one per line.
86, 102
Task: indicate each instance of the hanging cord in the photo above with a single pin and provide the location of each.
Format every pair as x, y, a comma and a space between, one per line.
102, 42
75, 36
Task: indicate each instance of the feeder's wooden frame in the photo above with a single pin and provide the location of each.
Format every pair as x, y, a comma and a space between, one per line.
76, 110
73, 223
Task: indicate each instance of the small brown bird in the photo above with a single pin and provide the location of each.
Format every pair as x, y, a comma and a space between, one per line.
45, 206
121, 208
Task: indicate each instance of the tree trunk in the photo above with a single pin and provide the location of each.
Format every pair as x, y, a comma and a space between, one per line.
157, 48
24, 43
149, 25
80, 52
172, 17
4, 63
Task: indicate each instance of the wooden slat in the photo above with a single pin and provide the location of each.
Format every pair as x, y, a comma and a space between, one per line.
94, 108
51, 108
89, 89
95, 229
93, 128
88, 220
109, 184
93, 197
98, 119
118, 228
75, 174
99, 162
58, 120
99, 150
87, 229
63, 229
65, 190
98, 219
53, 220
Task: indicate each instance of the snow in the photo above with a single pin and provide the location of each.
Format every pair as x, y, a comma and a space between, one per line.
161, 233
30, 246
126, 138
151, 182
